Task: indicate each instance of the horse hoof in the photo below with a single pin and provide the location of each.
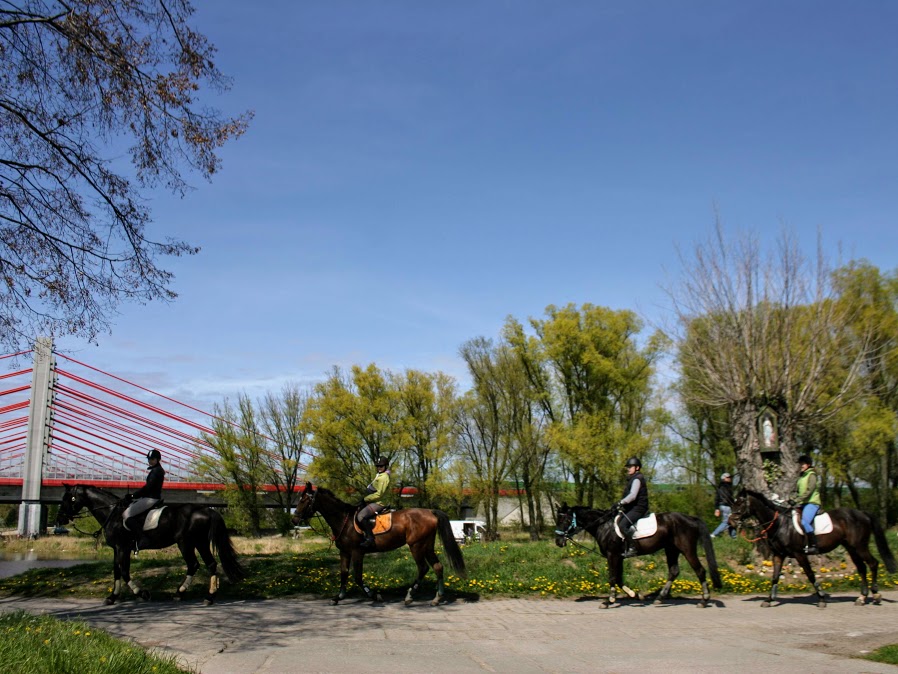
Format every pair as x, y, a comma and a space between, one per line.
765, 604
435, 601
179, 596
860, 601
407, 602
334, 602
821, 604
657, 602
109, 601
604, 604
702, 604
144, 595
208, 601
877, 598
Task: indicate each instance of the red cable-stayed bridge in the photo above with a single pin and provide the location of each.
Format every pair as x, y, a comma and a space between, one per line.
97, 429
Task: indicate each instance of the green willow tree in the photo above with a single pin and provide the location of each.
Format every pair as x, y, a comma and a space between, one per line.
593, 383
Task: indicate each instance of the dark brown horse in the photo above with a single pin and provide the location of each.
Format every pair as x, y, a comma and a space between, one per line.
851, 529
677, 534
193, 527
415, 527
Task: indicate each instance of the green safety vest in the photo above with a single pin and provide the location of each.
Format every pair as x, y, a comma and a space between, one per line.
803, 496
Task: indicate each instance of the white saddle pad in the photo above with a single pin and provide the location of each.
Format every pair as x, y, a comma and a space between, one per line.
645, 526
152, 520
823, 523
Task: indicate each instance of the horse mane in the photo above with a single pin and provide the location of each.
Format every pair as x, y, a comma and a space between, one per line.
348, 507
762, 498
90, 487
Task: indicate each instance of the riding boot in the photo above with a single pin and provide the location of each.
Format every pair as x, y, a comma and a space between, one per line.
367, 527
629, 548
811, 547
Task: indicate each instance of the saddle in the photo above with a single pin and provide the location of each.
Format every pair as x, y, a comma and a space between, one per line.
147, 520
823, 523
645, 526
383, 522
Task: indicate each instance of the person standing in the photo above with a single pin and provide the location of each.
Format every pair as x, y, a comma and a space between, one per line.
723, 506
809, 501
634, 504
370, 504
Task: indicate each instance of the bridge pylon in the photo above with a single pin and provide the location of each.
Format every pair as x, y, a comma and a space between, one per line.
37, 440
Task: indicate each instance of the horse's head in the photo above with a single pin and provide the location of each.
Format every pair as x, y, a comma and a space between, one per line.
565, 525
73, 500
306, 506
750, 505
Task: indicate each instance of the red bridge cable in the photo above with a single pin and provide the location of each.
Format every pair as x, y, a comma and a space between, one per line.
17, 373
13, 355
134, 401
120, 411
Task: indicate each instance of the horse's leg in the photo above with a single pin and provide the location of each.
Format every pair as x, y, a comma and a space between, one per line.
615, 578
774, 581
805, 564
193, 565
211, 566
418, 556
859, 561
691, 555
357, 557
438, 571
344, 576
117, 583
124, 555
673, 570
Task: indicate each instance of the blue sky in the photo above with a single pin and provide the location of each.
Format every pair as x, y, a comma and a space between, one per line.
418, 171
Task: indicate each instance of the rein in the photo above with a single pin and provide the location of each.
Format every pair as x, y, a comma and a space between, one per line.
569, 534
764, 530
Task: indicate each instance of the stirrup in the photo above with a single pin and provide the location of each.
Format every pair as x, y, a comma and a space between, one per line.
811, 550
630, 552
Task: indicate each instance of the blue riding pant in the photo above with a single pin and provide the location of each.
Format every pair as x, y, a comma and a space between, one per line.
808, 512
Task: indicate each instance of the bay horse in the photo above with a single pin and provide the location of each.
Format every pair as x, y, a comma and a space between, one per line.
851, 529
415, 527
676, 534
192, 527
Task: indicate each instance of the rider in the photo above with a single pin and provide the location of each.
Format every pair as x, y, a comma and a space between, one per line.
151, 493
634, 504
809, 500
370, 506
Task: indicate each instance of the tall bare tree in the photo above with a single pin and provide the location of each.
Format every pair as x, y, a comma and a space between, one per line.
757, 333
82, 82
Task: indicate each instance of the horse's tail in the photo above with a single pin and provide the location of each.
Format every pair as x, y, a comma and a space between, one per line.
221, 541
705, 535
450, 545
882, 544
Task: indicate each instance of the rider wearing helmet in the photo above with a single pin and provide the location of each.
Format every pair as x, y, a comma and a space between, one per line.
809, 500
149, 494
634, 504
369, 506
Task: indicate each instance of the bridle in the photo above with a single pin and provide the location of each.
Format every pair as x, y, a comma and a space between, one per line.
72, 518
765, 528
573, 529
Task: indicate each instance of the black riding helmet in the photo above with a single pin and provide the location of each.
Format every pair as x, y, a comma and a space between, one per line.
154, 454
380, 462
633, 461
804, 458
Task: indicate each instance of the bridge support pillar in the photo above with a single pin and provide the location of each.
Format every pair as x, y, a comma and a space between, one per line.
38, 437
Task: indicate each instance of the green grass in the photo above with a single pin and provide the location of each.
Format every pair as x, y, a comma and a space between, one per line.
512, 567
44, 645
887, 654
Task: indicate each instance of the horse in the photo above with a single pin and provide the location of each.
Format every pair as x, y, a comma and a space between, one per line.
676, 534
851, 529
415, 527
193, 527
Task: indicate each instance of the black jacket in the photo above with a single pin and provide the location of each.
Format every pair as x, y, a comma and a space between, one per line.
642, 498
153, 487
724, 495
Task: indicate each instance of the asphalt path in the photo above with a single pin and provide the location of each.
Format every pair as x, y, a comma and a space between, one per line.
305, 634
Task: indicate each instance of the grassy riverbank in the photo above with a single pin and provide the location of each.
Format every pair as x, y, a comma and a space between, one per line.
45, 645
512, 567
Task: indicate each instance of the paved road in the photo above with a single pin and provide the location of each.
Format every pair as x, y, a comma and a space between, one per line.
507, 635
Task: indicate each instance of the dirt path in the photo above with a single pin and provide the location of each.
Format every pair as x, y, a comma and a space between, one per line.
505, 635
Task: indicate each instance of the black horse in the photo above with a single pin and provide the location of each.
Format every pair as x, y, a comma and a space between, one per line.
677, 534
851, 529
415, 527
194, 528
